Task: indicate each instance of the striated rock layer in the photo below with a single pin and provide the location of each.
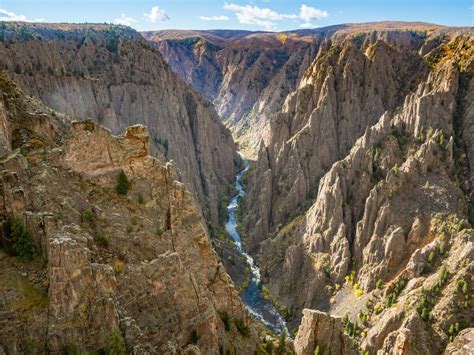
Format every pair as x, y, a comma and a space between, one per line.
109, 74
248, 75
139, 265
360, 202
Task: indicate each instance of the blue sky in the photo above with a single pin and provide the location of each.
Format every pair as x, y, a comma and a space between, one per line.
278, 15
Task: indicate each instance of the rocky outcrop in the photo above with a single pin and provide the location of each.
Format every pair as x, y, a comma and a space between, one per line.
382, 216
321, 333
463, 344
109, 74
138, 266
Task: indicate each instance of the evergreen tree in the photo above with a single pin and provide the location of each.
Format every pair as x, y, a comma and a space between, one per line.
122, 183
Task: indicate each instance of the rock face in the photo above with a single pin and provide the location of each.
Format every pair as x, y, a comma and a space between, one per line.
463, 344
139, 265
321, 332
247, 75
109, 74
359, 201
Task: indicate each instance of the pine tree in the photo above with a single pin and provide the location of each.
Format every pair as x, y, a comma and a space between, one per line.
122, 183
22, 240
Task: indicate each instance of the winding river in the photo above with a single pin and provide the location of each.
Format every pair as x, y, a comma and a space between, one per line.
258, 307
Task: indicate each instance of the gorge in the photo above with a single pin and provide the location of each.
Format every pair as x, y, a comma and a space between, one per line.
346, 221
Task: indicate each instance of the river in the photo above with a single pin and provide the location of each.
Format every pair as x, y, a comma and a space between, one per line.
259, 308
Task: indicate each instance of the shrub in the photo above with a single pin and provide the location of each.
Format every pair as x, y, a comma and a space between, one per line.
22, 240
392, 297
141, 200
159, 231
269, 348
431, 257
379, 283
194, 338
88, 216
395, 168
101, 239
119, 266
463, 286
226, 320
242, 328
318, 350
282, 342
116, 344
17, 68
266, 293
70, 350
122, 183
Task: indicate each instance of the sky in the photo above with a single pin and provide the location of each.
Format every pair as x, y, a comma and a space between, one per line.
271, 15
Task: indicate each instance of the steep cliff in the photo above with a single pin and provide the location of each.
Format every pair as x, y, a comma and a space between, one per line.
110, 75
98, 266
388, 239
247, 75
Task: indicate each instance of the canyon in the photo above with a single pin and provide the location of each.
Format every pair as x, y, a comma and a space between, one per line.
356, 224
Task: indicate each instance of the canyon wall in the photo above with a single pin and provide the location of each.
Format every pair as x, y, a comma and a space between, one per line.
128, 272
111, 75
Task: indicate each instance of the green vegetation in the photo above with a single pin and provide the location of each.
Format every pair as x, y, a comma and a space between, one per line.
349, 327
159, 231
194, 337
226, 320
269, 347
282, 342
123, 184
119, 266
101, 239
22, 240
242, 328
428, 298
379, 284
392, 297
88, 217
319, 350
17, 68
453, 331
141, 200
116, 344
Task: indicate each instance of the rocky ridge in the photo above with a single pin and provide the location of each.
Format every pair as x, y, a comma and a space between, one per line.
390, 231
248, 75
137, 266
111, 75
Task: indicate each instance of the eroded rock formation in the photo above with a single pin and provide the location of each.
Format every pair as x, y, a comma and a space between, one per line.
140, 264
111, 75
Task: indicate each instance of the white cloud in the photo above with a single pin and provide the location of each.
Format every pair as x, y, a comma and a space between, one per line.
307, 25
157, 14
214, 18
308, 13
6, 15
124, 20
264, 17
254, 15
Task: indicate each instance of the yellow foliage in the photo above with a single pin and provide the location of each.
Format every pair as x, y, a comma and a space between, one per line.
119, 266
282, 38
358, 292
